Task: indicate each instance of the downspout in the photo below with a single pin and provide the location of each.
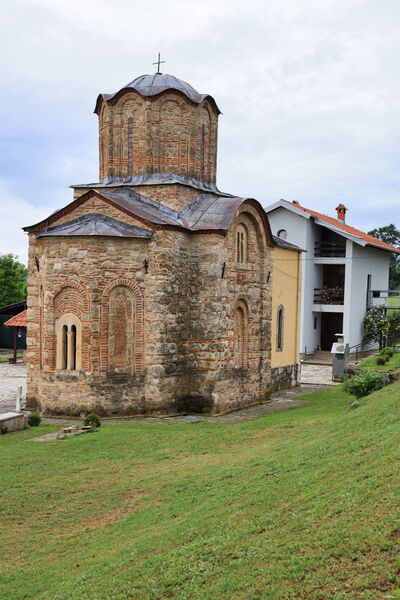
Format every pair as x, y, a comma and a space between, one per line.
298, 317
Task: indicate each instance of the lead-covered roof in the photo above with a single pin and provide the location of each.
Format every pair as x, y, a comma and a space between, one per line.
152, 85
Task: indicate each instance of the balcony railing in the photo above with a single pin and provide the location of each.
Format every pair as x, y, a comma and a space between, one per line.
328, 295
387, 298
329, 249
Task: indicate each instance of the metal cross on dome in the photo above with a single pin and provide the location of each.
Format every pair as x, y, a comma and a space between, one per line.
158, 63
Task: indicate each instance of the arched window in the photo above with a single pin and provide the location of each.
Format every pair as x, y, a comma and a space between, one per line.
241, 244
282, 233
241, 336
279, 329
64, 351
72, 365
68, 338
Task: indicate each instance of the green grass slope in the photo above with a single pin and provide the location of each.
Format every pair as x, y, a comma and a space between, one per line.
302, 504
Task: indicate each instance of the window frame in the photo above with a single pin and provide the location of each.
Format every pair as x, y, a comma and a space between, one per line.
68, 343
241, 242
280, 328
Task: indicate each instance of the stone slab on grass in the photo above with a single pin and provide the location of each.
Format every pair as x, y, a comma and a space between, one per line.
12, 421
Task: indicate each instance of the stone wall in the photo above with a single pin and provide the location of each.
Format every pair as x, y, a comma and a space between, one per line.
180, 349
283, 378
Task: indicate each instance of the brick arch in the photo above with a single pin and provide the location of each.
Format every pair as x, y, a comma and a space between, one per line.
138, 316
158, 104
71, 298
77, 286
123, 282
246, 218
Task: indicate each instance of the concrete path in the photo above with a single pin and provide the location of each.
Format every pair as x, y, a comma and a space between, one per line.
316, 375
11, 376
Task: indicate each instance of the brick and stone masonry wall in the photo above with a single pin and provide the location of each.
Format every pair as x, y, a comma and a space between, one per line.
283, 378
163, 134
188, 321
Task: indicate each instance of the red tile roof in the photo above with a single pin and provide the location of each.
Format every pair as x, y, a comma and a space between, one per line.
18, 320
369, 239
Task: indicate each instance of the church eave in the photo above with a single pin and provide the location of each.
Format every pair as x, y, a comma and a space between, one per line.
113, 98
95, 224
74, 204
152, 179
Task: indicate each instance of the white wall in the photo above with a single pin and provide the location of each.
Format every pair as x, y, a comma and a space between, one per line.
366, 261
313, 279
295, 225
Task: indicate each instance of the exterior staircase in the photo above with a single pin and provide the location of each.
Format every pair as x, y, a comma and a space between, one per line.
320, 357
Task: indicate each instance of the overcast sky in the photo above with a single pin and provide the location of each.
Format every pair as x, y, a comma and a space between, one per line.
309, 90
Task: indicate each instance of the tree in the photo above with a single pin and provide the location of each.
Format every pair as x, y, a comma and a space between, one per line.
391, 235
13, 276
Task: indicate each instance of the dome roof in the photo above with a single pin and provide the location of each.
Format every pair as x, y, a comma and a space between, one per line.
151, 85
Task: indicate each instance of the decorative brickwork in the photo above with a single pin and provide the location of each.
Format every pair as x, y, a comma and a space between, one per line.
118, 347
161, 134
122, 346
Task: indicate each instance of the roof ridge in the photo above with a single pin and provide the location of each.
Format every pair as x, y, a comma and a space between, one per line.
346, 227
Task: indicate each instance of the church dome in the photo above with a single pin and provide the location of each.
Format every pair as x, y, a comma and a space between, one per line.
151, 85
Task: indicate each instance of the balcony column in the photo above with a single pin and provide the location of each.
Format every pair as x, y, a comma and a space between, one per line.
348, 275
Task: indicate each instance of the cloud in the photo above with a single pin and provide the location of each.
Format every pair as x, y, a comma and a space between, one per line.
15, 213
307, 89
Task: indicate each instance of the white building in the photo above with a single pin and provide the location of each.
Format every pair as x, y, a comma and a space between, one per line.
342, 270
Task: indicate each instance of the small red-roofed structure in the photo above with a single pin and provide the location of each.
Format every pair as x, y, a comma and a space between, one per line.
18, 321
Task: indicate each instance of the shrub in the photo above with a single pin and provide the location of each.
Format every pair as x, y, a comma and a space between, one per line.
393, 335
34, 419
382, 360
388, 351
92, 419
375, 324
364, 383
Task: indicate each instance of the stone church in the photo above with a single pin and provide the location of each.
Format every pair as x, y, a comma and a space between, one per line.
153, 292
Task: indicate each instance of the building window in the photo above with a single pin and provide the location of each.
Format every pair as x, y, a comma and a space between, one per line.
64, 357
241, 336
279, 330
68, 340
73, 348
282, 233
315, 322
241, 244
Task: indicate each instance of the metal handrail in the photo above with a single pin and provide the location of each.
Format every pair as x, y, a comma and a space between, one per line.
332, 249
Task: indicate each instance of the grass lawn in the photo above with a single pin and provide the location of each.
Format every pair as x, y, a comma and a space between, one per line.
393, 301
302, 504
370, 363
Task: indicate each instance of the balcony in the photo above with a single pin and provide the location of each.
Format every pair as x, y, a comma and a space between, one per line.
329, 249
329, 295
389, 299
